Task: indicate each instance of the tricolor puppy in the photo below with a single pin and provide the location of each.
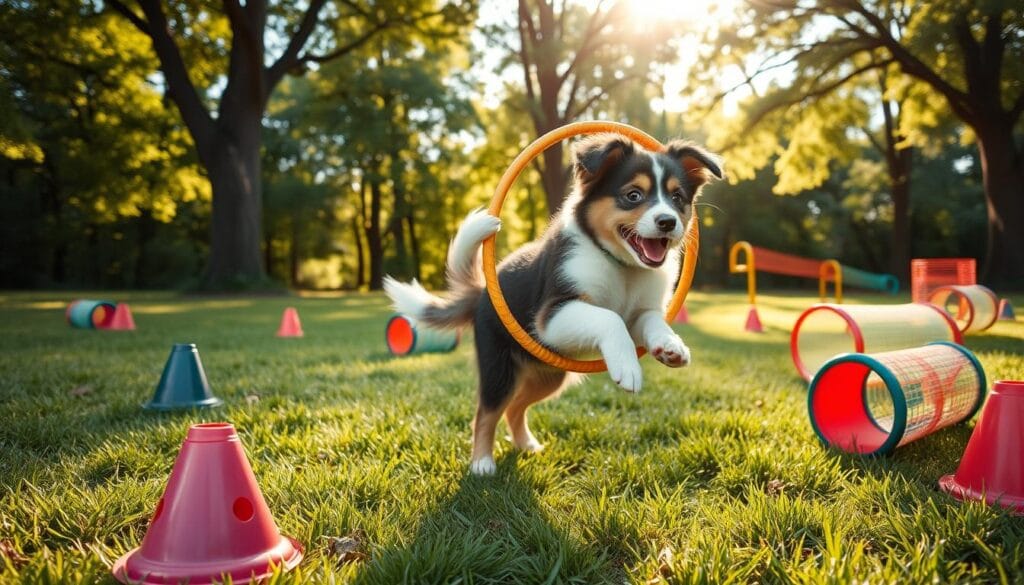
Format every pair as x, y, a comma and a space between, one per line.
598, 279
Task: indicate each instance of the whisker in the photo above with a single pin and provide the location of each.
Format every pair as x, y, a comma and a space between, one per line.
711, 205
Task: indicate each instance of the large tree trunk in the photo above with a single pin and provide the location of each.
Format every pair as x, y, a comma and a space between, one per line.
1002, 171
414, 245
554, 177
899, 253
360, 262
374, 240
236, 227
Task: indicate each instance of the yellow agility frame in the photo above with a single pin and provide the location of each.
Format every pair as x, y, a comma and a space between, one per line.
750, 268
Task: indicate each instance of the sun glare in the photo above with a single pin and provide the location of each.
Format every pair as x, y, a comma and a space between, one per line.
701, 12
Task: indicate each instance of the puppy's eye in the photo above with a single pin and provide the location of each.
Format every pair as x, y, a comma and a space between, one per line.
634, 196
679, 198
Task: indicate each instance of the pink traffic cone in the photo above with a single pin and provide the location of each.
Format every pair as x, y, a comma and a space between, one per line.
992, 469
290, 325
682, 316
122, 319
212, 521
753, 322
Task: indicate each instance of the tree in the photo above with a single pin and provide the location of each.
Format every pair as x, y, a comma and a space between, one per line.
967, 57
79, 127
572, 60
228, 143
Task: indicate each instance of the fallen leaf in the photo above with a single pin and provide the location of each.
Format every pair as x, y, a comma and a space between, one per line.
81, 390
775, 487
348, 549
666, 558
8, 552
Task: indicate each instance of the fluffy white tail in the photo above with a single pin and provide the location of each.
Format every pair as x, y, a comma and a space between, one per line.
464, 275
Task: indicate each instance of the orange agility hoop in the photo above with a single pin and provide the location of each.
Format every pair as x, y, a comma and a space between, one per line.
690, 242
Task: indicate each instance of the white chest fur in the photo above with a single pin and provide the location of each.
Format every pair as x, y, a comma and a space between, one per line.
608, 284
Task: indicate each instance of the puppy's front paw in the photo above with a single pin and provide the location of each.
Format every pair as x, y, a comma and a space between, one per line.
625, 370
671, 351
483, 466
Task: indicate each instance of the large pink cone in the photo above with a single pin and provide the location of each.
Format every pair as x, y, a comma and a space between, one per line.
211, 522
992, 468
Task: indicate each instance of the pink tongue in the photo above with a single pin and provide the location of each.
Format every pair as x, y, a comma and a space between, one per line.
654, 248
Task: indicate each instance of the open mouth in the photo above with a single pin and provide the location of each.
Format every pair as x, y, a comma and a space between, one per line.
651, 251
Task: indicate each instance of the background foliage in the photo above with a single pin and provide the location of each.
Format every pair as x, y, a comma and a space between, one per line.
370, 159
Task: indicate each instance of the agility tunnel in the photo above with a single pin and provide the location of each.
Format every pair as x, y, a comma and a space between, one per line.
870, 280
90, 314
927, 274
404, 336
765, 260
976, 307
826, 329
872, 403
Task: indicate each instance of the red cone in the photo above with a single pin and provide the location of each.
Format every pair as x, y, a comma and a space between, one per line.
682, 316
753, 322
290, 325
212, 521
993, 463
122, 319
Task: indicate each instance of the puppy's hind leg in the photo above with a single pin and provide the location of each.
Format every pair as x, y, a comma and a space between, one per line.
536, 385
497, 383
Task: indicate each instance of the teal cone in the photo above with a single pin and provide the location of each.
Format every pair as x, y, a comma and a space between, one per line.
183, 384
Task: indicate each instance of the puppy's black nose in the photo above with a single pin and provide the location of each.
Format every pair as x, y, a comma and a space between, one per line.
665, 222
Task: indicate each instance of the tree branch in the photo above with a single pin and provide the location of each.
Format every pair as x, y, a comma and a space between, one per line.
347, 48
527, 33
910, 64
181, 89
128, 13
289, 58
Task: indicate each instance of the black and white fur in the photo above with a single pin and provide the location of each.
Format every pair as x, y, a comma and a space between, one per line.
598, 279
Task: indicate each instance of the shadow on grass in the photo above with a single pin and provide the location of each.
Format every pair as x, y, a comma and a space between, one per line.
491, 530
994, 343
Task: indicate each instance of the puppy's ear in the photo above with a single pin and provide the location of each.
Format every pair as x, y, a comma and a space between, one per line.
699, 164
594, 155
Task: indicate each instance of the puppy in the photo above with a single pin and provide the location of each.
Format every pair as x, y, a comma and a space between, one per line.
598, 279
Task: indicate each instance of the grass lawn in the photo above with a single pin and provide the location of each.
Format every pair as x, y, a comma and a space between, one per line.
716, 463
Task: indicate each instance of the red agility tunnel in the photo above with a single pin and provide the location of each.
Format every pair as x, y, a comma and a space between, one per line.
90, 314
872, 403
211, 522
825, 330
404, 336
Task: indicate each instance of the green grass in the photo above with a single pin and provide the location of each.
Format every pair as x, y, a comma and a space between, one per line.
716, 462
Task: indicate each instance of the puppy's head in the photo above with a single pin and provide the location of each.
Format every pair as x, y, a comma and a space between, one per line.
633, 203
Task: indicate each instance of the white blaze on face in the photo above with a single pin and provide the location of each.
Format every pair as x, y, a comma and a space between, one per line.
647, 226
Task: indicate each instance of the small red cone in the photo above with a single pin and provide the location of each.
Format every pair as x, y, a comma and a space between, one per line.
122, 319
753, 322
211, 522
992, 467
290, 325
1006, 311
682, 316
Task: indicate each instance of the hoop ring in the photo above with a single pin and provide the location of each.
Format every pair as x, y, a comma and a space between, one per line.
691, 242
